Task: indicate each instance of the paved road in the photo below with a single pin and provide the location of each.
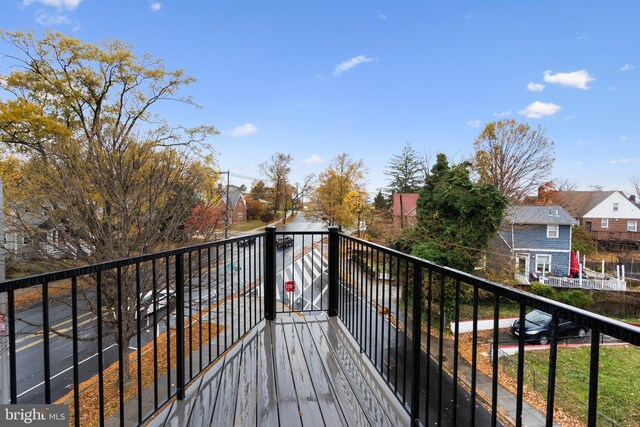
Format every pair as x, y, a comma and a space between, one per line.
235, 275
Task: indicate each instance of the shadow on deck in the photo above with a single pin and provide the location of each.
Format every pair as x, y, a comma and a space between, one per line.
293, 371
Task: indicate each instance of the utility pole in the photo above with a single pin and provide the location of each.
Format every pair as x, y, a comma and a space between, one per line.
226, 214
4, 342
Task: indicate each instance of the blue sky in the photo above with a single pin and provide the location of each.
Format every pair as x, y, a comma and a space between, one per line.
315, 79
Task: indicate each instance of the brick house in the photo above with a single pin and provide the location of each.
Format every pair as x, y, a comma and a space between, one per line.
610, 217
404, 210
237, 205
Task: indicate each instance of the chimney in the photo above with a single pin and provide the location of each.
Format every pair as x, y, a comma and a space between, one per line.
632, 198
541, 192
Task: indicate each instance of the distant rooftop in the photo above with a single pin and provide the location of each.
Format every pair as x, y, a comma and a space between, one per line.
538, 215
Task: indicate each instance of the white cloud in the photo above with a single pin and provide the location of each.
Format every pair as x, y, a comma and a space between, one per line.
538, 110
634, 160
313, 160
474, 123
350, 63
579, 79
47, 20
58, 4
155, 6
535, 87
503, 113
243, 130
627, 67
624, 138
612, 89
382, 17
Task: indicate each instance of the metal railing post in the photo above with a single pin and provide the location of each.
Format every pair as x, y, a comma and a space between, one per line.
180, 325
334, 241
270, 274
417, 345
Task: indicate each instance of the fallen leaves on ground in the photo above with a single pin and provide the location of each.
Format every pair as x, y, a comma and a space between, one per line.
89, 396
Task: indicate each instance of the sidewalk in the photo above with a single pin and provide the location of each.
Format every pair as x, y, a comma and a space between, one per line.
531, 417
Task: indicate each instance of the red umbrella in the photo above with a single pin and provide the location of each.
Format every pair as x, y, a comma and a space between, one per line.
574, 267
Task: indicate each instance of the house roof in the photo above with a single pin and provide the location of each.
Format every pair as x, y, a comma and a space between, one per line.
542, 215
409, 202
234, 196
578, 203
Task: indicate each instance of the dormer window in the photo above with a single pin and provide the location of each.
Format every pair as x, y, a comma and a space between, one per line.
553, 231
615, 207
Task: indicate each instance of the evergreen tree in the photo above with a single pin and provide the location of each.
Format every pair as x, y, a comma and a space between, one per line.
456, 217
406, 171
380, 202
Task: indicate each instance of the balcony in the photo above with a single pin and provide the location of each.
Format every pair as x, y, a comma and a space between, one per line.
325, 330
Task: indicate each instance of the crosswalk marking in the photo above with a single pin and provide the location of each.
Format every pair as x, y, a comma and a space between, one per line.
302, 271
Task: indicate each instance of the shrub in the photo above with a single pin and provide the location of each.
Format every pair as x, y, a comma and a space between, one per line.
576, 298
543, 290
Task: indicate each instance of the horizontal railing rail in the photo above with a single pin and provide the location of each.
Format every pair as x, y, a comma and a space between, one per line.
140, 329
385, 296
149, 325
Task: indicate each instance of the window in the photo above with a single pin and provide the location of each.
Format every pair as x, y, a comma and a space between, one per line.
615, 207
605, 223
632, 226
25, 240
240, 214
543, 263
553, 231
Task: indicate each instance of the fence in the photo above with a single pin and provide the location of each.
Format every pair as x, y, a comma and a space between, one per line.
537, 381
178, 310
197, 302
565, 282
399, 325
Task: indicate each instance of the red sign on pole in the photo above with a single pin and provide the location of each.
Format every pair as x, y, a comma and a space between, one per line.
290, 286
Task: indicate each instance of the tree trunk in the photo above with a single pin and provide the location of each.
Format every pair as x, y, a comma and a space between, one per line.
124, 346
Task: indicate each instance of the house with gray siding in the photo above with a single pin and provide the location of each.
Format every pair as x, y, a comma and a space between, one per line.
539, 239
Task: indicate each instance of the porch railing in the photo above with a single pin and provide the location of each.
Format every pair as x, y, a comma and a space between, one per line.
169, 316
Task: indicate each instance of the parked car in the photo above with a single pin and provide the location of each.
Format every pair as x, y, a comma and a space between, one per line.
247, 242
538, 328
147, 305
284, 241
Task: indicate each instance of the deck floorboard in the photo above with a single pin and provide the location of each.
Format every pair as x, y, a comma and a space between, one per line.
294, 371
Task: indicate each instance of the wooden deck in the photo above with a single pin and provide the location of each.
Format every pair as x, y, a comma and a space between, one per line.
291, 372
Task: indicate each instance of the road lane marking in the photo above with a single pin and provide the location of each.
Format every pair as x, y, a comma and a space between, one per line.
62, 372
56, 326
52, 334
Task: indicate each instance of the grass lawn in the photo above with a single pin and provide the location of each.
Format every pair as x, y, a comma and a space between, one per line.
618, 382
246, 226
485, 310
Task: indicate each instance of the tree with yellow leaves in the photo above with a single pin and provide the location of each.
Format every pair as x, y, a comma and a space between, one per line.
340, 194
92, 158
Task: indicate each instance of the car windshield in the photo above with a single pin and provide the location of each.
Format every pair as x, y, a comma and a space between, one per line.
538, 317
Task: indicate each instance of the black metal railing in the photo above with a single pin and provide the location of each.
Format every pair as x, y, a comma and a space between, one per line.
406, 314
301, 271
141, 329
